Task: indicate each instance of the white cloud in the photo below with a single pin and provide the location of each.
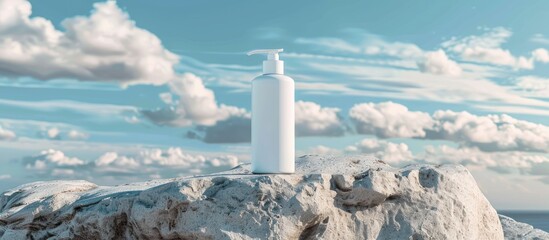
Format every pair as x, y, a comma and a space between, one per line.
77, 135
437, 62
6, 134
320, 150
171, 157
388, 119
52, 133
489, 133
105, 46
541, 55
132, 119
196, 105
486, 48
170, 162
113, 159
312, 119
391, 153
387, 80
166, 97
50, 159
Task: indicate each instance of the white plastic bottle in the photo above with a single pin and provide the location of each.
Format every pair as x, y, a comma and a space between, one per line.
273, 117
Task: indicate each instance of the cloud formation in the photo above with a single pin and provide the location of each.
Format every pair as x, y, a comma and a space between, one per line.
105, 46
196, 104
486, 48
51, 159
488, 133
311, 120
391, 153
541, 55
388, 119
319, 150
169, 162
434, 62
437, 62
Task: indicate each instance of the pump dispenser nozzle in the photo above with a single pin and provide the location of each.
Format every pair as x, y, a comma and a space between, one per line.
272, 64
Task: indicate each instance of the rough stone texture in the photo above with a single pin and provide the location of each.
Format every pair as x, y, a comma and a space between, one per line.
517, 230
355, 197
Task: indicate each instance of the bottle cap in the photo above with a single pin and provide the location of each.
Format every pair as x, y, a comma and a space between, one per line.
272, 64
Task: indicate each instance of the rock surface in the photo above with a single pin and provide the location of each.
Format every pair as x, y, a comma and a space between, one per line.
517, 230
355, 197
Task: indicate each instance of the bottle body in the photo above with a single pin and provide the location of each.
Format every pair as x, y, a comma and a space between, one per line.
273, 124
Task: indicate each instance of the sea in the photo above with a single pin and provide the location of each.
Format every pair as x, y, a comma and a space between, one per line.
538, 219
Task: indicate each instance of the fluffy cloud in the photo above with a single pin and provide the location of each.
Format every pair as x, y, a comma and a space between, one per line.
388, 119
51, 159
77, 135
438, 63
52, 133
486, 48
170, 162
541, 55
112, 159
488, 133
311, 120
391, 153
6, 134
196, 105
320, 150
105, 46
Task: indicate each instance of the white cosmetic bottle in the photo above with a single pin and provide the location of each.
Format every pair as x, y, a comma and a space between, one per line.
273, 117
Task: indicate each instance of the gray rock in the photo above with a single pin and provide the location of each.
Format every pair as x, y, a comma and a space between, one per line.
517, 230
356, 197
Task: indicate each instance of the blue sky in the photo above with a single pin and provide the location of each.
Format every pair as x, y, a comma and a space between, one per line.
114, 92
